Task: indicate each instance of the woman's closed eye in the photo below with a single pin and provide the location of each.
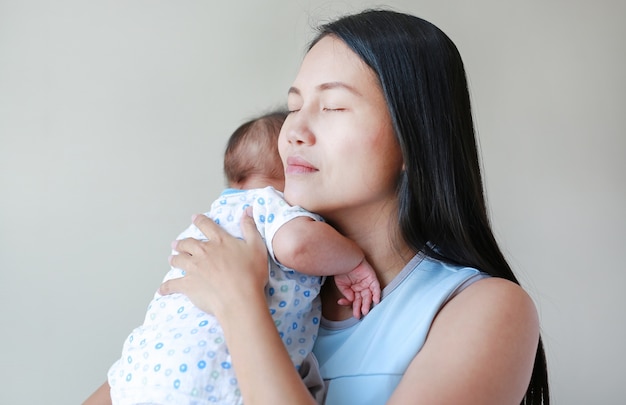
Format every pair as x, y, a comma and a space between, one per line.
328, 109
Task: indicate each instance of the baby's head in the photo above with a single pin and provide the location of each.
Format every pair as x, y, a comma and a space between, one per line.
251, 159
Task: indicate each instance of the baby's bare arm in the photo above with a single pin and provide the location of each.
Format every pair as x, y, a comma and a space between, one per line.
315, 248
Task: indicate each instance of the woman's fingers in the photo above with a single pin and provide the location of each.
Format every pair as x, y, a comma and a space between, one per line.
180, 261
208, 227
249, 230
221, 270
193, 286
191, 246
172, 286
188, 246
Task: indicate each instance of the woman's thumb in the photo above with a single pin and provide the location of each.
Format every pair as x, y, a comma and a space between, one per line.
248, 228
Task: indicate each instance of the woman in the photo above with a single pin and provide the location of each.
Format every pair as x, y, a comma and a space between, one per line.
380, 142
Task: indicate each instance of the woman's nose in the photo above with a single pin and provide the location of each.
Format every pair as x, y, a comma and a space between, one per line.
298, 130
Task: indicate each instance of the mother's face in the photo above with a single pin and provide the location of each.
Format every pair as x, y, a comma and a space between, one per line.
338, 147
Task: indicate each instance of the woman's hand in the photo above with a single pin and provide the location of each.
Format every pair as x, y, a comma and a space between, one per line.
222, 272
227, 276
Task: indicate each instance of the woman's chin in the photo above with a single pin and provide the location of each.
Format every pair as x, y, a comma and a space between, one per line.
293, 197
299, 197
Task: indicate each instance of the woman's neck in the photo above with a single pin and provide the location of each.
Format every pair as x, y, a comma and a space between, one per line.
386, 259
377, 234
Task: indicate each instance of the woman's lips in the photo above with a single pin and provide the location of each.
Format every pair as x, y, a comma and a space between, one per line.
297, 165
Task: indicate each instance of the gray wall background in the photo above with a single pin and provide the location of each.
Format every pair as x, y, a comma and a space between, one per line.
114, 116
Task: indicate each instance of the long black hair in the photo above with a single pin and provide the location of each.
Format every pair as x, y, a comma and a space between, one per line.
442, 209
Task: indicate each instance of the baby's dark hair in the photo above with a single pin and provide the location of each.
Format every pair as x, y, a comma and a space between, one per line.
253, 149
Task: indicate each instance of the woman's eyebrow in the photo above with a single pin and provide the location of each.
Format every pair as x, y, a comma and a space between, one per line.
338, 85
328, 86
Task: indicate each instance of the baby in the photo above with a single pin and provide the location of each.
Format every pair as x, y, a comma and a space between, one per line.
179, 354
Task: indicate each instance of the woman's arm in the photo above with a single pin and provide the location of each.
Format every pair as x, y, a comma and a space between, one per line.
101, 396
264, 370
226, 276
479, 350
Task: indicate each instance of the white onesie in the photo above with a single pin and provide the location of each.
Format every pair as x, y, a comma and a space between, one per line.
179, 355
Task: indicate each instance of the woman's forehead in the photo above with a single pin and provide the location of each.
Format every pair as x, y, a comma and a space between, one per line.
330, 61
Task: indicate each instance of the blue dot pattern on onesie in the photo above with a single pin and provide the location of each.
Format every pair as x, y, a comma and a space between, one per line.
179, 355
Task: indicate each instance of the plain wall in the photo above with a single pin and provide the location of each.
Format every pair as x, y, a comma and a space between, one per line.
114, 116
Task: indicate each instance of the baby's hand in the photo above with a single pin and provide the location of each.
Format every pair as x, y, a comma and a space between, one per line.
360, 287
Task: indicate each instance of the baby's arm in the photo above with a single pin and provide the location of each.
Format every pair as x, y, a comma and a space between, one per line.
316, 248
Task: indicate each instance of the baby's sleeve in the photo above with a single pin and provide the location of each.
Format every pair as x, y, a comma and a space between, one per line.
272, 211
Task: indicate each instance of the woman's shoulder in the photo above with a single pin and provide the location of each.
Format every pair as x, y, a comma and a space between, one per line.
496, 303
490, 330
499, 295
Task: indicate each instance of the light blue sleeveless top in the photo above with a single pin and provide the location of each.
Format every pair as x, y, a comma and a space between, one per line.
363, 361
